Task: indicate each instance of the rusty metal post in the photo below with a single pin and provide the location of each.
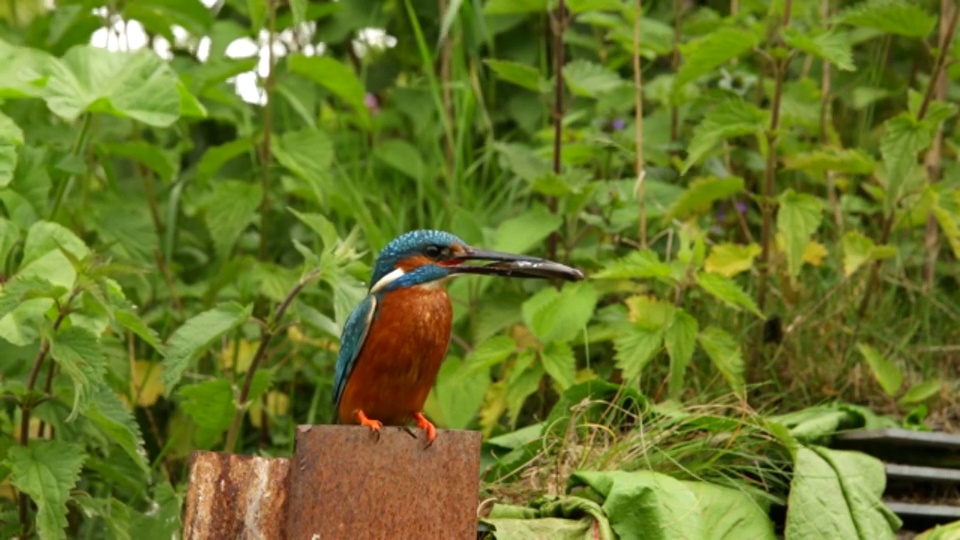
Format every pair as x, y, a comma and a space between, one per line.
344, 483
232, 496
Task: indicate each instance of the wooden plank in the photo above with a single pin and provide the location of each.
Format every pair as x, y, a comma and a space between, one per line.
923, 474
346, 483
230, 496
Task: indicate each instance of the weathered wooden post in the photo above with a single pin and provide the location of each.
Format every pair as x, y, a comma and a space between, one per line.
341, 483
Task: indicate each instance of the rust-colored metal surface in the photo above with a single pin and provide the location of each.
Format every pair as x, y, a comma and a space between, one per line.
230, 496
345, 483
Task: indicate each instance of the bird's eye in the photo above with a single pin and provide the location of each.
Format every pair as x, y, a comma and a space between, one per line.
433, 251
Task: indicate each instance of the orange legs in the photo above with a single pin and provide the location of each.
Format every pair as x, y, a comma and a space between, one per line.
374, 425
426, 425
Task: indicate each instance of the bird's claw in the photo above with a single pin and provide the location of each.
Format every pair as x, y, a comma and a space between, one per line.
409, 431
374, 425
426, 426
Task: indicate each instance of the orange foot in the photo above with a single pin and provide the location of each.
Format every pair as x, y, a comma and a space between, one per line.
374, 425
426, 425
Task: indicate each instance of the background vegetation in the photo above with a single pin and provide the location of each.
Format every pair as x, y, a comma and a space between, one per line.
764, 195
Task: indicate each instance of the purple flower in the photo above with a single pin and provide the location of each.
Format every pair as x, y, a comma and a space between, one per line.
618, 124
741, 206
371, 102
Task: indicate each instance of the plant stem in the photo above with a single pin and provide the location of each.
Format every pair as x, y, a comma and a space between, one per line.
265, 150
27, 407
675, 64
269, 331
78, 145
640, 188
558, 21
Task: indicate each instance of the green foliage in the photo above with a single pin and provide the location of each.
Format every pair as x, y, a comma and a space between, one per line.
177, 260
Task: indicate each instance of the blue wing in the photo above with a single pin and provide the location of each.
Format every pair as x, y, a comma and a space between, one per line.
351, 341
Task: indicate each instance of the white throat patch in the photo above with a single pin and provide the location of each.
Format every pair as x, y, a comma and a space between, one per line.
387, 280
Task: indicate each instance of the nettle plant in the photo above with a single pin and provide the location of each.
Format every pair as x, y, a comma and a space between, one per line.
778, 167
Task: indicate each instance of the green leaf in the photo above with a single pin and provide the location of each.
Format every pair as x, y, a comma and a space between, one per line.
724, 352
899, 17
729, 259
232, 207
9, 236
680, 339
640, 264
526, 231
509, 7
519, 74
732, 118
210, 404
336, 77
798, 218
560, 363
128, 318
216, 157
308, 153
78, 353
701, 194
523, 380
830, 158
197, 334
299, 10
859, 250
714, 49
585, 78
11, 139
921, 392
23, 71
837, 494
160, 15
831, 46
136, 85
635, 347
459, 392
523, 161
886, 372
904, 139
161, 162
727, 291
491, 352
402, 157
47, 470
109, 414
560, 315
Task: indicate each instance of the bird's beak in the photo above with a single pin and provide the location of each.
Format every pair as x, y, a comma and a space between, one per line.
510, 265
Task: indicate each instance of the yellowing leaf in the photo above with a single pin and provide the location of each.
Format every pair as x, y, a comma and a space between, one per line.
278, 404
813, 253
145, 380
731, 259
648, 311
243, 357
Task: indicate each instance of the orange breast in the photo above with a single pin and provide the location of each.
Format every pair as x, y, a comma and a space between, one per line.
400, 358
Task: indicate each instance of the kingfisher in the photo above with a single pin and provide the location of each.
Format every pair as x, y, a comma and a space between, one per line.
394, 341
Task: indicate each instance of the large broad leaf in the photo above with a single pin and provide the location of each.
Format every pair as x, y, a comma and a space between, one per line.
195, 335
523, 380
701, 194
459, 393
337, 78
47, 470
232, 207
798, 218
589, 79
724, 352
714, 49
519, 74
78, 353
401, 156
680, 339
905, 137
731, 259
640, 264
210, 404
635, 346
901, 17
837, 494
859, 250
23, 71
522, 233
160, 15
560, 315
727, 290
645, 504
108, 413
137, 85
845, 160
830, 46
732, 118
11, 139
162, 162
307, 153
731, 514
885, 371
560, 363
